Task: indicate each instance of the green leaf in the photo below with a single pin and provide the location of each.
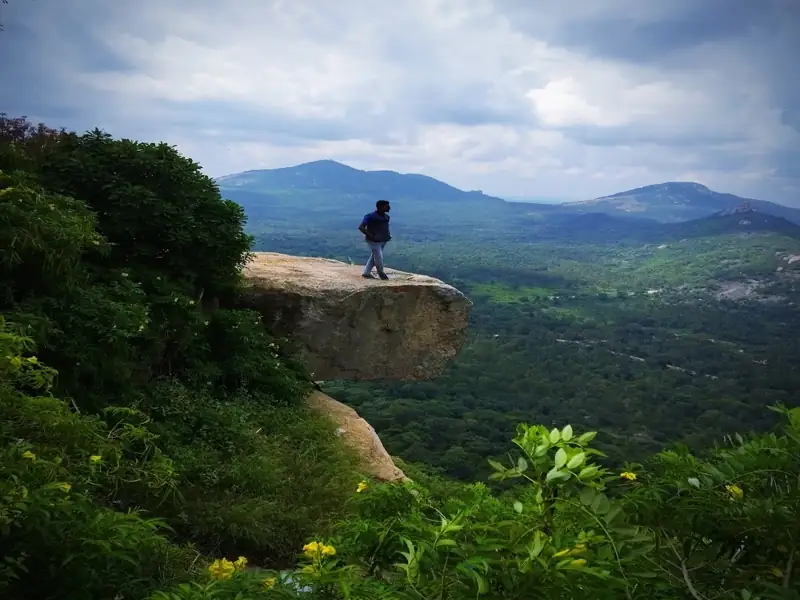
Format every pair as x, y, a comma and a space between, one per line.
587, 437
561, 458
576, 461
600, 504
483, 584
587, 496
694, 481
555, 436
497, 466
522, 465
518, 507
588, 472
554, 474
566, 433
538, 544
613, 513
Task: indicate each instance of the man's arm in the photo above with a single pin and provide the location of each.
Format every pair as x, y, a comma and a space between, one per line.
364, 227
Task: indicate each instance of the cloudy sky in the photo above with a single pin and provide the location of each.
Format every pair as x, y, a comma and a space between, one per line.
557, 98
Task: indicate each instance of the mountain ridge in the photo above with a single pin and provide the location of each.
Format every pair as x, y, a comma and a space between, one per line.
675, 201
666, 202
331, 175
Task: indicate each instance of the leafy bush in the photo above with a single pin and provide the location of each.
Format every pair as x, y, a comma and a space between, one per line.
63, 477
256, 478
572, 531
120, 263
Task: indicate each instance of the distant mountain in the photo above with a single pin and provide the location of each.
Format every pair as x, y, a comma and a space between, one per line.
538, 199
326, 196
677, 201
733, 222
332, 176
606, 228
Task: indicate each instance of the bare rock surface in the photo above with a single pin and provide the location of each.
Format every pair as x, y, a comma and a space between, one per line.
351, 328
360, 437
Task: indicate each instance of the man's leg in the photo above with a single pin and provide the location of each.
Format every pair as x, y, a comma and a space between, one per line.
371, 261
378, 254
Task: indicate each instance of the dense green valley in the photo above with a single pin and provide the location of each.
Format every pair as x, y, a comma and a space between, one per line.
654, 333
155, 442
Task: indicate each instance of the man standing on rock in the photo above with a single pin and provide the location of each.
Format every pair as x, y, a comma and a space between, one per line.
375, 227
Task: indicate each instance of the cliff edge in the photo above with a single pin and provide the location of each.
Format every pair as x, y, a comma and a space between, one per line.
349, 327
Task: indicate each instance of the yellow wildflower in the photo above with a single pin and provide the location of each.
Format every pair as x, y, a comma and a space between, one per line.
735, 491
628, 475
240, 563
221, 569
270, 582
64, 487
311, 549
317, 549
29, 455
361, 487
94, 459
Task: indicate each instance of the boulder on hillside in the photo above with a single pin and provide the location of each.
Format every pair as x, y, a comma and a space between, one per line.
351, 328
360, 437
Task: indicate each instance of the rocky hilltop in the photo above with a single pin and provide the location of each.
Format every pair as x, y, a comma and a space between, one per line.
348, 327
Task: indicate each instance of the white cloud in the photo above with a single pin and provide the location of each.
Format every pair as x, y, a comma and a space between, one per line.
482, 94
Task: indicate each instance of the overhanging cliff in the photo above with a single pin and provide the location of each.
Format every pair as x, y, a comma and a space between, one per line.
348, 327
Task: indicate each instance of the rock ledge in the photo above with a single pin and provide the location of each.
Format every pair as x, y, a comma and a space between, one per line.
352, 328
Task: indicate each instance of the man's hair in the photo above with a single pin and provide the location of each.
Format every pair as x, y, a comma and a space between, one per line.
380, 203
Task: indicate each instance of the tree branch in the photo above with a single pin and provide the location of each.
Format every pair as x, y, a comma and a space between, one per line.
697, 595
787, 576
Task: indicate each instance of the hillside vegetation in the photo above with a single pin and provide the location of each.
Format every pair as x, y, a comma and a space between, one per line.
154, 443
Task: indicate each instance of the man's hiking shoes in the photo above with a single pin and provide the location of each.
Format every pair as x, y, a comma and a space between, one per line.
383, 276
367, 276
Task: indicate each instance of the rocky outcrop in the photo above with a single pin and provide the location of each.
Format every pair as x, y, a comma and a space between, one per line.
354, 328
360, 436
349, 327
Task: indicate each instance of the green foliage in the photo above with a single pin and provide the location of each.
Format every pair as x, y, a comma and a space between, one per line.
256, 477
729, 521
163, 215
182, 418
574, 530
60, 475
